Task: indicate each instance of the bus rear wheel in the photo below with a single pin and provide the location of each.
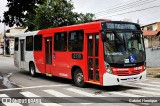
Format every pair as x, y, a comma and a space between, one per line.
79, 78
32, 70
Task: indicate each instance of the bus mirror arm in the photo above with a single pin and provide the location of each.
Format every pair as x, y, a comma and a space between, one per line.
54, 56
103, 37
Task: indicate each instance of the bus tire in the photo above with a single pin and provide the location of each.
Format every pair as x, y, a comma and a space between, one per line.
79, 78
32, 70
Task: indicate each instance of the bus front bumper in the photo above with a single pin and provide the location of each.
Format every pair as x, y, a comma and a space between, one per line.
111, 79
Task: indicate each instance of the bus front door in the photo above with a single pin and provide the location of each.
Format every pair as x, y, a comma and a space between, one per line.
48, 54
93, 58
22, 57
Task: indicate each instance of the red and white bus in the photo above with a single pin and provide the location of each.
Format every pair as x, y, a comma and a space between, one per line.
103, 52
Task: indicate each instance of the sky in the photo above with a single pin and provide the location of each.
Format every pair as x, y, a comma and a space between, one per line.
146, 11
3, 8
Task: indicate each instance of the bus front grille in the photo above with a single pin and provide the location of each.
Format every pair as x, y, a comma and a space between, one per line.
126, 72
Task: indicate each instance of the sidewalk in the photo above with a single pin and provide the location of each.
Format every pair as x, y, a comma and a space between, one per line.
153, 72
1, 55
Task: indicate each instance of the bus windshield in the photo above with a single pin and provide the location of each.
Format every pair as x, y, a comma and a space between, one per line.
124, 47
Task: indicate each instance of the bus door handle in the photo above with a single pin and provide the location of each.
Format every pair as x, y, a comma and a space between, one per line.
54, 55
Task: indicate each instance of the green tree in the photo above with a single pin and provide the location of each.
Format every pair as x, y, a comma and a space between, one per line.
83, 18
18, 9
46, 14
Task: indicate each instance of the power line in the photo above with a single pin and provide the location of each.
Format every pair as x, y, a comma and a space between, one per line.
114, 6
135, 11
119, 6
128, 7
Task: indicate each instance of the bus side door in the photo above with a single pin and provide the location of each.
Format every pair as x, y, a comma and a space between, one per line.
16, 52
22, 53
48, 54
93, 57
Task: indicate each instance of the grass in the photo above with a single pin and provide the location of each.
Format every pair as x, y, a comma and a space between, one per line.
157, 76
153, 72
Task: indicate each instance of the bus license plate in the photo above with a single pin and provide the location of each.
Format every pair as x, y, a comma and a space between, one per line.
130, 79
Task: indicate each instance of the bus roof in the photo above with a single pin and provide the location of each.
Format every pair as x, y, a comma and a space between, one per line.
90, 25
95, 24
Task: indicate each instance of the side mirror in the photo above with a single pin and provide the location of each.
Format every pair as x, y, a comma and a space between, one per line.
103, 36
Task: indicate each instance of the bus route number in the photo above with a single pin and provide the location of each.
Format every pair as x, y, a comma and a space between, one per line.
77, 56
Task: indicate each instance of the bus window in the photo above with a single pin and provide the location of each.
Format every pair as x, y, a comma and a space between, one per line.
90, 45
37, 42
96, 45
16, 44
29, 43
60, 41
75, 41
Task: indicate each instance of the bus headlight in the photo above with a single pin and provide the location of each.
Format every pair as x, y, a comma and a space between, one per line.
108, 68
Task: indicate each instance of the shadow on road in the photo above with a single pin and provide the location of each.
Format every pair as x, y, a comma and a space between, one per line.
91, 86
44, 77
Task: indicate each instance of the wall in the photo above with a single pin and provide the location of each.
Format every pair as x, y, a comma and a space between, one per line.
155, 26
1, 40
158, 25
10, 34
152, 58
146, 43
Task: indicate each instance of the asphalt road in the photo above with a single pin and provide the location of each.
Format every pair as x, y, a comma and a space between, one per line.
17, 83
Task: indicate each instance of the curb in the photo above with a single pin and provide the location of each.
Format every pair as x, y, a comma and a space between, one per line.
6, 55
154, 68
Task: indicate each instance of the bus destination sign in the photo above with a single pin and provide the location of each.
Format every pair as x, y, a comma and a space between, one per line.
120, 26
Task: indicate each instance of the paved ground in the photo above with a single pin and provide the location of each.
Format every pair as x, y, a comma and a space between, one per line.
21, 84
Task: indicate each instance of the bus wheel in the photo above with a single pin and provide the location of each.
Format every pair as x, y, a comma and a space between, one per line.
32, 70
79, 78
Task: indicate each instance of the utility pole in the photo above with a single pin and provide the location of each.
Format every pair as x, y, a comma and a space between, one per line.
138, 21
4, 41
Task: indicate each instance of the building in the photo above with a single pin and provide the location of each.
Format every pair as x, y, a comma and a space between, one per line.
1, 43
10, 33
151, 34
153, 27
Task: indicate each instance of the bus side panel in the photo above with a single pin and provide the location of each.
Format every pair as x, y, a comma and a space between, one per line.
85, 57
39, 58
101, 60
39, 61
82, 65
28, 58
61, 64
28, 55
